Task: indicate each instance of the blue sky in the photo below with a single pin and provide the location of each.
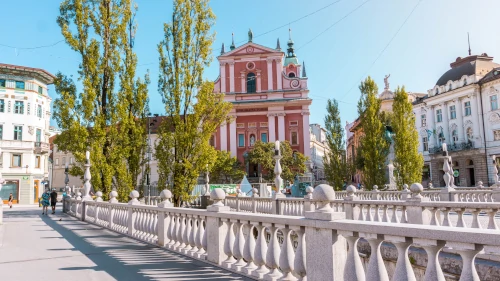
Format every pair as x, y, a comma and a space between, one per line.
336, 60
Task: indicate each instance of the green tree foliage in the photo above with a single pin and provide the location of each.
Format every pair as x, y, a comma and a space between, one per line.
226, 169
292, 163
194, 111
107, 115
336, 166
374, 146
408, 162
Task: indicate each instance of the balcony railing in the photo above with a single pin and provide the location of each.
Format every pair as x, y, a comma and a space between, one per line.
453, 147
41, 147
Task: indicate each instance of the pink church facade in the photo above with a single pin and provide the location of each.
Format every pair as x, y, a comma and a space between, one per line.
268, 90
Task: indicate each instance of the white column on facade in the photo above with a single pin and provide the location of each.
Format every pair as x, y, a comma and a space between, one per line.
259, 85
279, 70
269, 74
223, 137
281, 127
243, 82
431, 125
232, 137
475, 118
307, 135
460, 119
223, 78
272, 128
231, 77
446, 128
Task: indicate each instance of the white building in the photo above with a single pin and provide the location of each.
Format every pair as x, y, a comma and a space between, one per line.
24, 131
319, 148
461, 110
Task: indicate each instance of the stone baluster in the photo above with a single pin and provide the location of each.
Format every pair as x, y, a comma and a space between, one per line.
435, 216
404, 218
433, 271
172, 230
239, 246
260, 252
182, 231
199, 238
273, 252
468, 252
164, 219
395, 218
193, 235
475, 218
229, 244
491, 219
385, 215
287, 254
404, 269
376, 270
353, 270
369, 215
187, 234
446, 216
299, 264
377, 213
249, 250
460, 220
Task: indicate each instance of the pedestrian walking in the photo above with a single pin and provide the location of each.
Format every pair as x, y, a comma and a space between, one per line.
45, 202
53, 200
11, 198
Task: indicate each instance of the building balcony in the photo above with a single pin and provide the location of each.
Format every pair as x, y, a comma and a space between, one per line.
41, 147
452, 147
16, 145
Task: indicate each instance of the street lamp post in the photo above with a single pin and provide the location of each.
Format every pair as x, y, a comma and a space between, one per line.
66, 180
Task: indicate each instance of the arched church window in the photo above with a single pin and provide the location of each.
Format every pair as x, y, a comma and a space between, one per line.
291, 74
251, 88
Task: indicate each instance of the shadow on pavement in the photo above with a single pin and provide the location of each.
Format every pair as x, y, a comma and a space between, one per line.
124, 258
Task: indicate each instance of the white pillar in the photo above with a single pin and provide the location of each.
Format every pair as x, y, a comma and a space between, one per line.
223, 78
269, 74
243, 82
307, 135
431, 125
281, 126
446, 131
279, 70
259, 85
460, 120
475, 118
272, 127
231, 77
232, 137
223, 137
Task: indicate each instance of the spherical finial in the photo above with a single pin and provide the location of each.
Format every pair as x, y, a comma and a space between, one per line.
113, 194
98, 193
375, 187
416, 189
255, 191
351, 189
323, 192
480, 184
405, 187
134, 194
217, 195
166, 194
309, 189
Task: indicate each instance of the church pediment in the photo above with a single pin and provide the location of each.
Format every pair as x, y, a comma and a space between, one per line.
250, 48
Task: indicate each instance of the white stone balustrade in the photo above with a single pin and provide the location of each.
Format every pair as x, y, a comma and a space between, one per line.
238, 239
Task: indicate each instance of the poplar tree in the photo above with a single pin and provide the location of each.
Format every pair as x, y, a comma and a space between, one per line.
374, 146
408, 162
107, 115
336, 169
193, 110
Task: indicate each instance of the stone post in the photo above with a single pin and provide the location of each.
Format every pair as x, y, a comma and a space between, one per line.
350, 209
216, 229
255, 194
84, 210
416, 214
99, 196
405, 193
375, 193
86, 178
278, 181
134, 194
163, 220
324, 261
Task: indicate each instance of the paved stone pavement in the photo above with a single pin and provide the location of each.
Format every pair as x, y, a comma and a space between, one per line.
58, 247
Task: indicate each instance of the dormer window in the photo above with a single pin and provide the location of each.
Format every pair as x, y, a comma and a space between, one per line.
437, 91
465, 82
251, 88
291, 74
450, 87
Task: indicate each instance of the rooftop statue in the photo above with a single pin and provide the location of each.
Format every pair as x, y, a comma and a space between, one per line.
250, 35
386, 82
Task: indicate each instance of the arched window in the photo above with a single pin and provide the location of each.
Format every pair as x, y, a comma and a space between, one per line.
437, 91
450, 87
441, 138
291, 74
251, 88
454, 134
465, 82
469, 133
